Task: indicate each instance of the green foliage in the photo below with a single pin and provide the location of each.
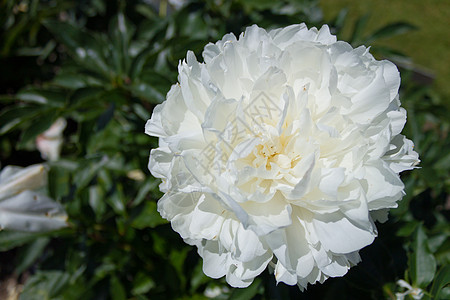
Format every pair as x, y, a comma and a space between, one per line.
104, 66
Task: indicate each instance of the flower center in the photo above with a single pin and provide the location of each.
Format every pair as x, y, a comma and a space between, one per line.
272, 151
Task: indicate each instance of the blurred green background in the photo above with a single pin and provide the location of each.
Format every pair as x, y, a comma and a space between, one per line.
428, 46
103, 65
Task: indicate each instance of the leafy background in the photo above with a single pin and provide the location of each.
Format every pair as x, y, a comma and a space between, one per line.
103, 65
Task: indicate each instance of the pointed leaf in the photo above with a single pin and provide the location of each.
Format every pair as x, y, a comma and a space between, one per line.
86, 48
116, 289
442, 280
52, 98
391, 30
16, 116
121, 31
39, 125
149, 217
422, 264
31, 253
12, 239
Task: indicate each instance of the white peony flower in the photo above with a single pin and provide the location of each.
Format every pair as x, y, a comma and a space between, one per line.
23, 206
415, 293
281, 149
49, 143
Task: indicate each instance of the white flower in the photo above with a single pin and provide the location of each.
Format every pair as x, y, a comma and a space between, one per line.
415, 293
214, 292
23, 206
49, 143
281, 149
177, 4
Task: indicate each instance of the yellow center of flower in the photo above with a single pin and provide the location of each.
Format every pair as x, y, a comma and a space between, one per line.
273, 151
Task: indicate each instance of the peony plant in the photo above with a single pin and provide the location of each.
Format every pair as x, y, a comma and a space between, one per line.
280, 150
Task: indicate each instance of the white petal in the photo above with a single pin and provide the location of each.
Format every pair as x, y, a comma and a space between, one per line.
334, 229
31, 211
384, 187
14, 180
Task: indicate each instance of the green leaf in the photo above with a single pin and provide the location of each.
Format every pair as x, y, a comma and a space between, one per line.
149, 185
85, 97
138, 63
147, 92
117, 201
117, 290
88, 170
142, 284
31, 253
247, 293
58, 182
121, 32
198, 277
391, 30
87, 49
442, 280
75, 81
422, 264
15, 116
443, 163
45, 285
12, 239
105, 117
52, 98
97, 202
149, 217
38, 126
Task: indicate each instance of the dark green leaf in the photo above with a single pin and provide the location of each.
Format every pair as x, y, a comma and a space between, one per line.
247, 293
121, 31
37, 127
422, 264
149, 217
12, 239
75, 81
391, 30
142, 284
104, 118
85, 97
116, 289
31, 253
147, 92
97, 201
52, 98
442, 280
117, 200
139, 62
149, 185
45, 285
86, 48
15, 116
88, 170
58, 182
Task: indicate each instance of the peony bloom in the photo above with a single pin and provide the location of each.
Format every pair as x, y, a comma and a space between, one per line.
280, 150
415, 293
23, 206
49, 143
